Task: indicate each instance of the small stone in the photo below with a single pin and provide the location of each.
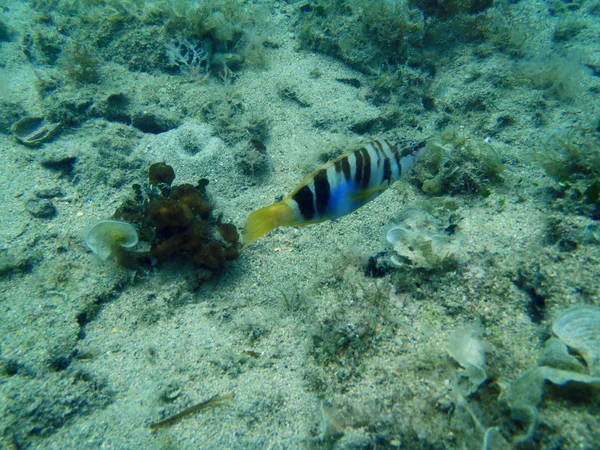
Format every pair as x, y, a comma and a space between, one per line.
171, 392
49, 193
40, 208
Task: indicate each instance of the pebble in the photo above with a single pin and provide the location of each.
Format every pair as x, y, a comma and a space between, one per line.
49, 193
40, 208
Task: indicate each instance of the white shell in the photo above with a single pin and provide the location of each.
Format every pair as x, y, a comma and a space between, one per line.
107, 235
579, 328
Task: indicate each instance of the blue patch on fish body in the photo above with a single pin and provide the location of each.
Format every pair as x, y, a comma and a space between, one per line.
339, 201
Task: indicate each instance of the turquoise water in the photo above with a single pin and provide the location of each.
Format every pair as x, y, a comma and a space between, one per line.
422, 320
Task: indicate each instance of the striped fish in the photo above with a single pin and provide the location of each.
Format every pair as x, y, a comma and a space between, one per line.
338, 188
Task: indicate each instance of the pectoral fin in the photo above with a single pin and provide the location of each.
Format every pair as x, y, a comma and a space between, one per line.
364, 194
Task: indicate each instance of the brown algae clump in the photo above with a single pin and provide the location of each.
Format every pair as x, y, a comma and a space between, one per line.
108, 237
160, 173
177, 221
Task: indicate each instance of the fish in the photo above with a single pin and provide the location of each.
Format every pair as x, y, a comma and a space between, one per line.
338, 188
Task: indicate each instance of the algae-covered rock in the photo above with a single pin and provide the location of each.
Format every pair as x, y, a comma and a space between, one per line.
40, 208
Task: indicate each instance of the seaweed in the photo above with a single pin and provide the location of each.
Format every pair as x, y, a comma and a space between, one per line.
419, 242
366, 34
341, 341
572, 159
82, 62
177, 221
456, 163
558, 77
226, 111
444, 10
189, 57
568, 28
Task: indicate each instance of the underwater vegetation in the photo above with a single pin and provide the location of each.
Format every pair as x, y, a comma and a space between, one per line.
192, 39
365, 34
444, 10
399, 42
557, 77
571, 157
457, 163
234, 123
175, 220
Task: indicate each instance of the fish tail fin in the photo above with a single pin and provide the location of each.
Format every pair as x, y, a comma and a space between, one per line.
266, 219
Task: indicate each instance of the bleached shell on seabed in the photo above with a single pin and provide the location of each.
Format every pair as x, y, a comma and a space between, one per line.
34, 131
579, 328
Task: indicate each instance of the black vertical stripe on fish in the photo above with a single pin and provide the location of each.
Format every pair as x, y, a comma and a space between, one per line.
397, 158
387, 170
358, 170
322, 192
346, 168
304, 199
338, 165
366, 168
378, 146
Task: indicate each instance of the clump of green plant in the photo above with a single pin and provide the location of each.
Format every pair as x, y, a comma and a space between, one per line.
458, 164
341, 340
467, 348
571, 158
226, 112
109, 238
366, 34
567, 28
504, 31
82, 62
251, 157
561, 78
402, 83
446, 9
